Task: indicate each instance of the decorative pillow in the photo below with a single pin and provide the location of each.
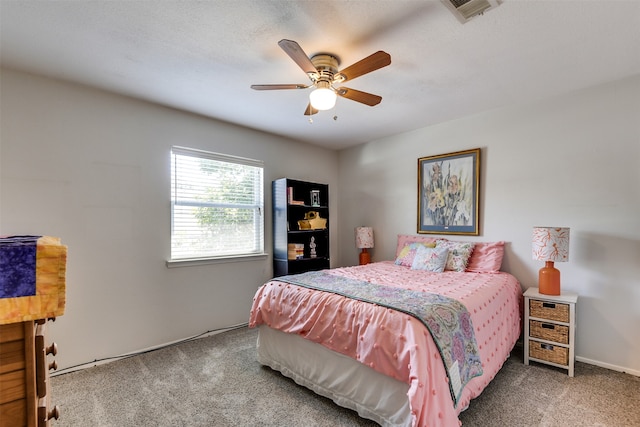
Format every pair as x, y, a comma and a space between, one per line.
408, 253
405, 239
430, 259
486, 257
459, 253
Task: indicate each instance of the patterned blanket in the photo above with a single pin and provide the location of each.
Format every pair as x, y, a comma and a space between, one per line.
447, 320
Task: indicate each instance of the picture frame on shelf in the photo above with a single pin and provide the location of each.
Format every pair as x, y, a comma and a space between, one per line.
315, 198
449, 193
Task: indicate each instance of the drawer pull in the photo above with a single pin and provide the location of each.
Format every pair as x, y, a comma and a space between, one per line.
44, 415
548, 326
548, 305
546, 346
54, 413
53, 366
52, 349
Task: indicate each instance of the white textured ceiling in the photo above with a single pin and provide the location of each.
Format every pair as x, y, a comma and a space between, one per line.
203, 56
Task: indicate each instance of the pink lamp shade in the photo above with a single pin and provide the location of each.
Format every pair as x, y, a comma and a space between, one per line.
550, 244
364, 241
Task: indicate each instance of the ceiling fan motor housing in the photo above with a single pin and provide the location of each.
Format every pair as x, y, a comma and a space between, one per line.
327, 66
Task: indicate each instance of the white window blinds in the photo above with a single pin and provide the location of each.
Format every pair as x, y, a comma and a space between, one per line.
216, 205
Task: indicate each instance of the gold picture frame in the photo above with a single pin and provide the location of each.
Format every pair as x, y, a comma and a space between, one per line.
449, 193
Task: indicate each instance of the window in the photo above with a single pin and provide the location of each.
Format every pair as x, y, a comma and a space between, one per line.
216, 205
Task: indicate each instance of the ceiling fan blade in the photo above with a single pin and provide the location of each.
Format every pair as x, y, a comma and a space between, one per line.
296, 53
370, 63
310, 110
359, 96
276, 87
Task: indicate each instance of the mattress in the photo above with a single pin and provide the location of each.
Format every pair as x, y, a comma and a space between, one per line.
387, 342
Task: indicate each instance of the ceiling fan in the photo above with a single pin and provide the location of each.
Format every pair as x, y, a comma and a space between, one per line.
322, 70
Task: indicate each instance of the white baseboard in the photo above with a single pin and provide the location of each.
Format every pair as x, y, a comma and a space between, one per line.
608, 366
209, 333
110, 359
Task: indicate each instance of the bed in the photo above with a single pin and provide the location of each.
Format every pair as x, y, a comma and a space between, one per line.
364, 336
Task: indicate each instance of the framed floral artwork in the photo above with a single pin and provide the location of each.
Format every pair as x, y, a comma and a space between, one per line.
448, 193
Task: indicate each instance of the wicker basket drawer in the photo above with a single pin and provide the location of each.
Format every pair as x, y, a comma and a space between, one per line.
550, 353
549, 331
549, 310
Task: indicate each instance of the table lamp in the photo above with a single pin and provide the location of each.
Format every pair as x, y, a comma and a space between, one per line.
550, 244
364, 241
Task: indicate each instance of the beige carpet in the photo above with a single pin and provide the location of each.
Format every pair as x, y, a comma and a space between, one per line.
216, 381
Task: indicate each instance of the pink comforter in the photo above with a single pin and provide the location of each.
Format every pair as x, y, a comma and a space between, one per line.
394, 343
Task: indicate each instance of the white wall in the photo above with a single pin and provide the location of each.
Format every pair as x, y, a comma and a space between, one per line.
93, 169
572, 161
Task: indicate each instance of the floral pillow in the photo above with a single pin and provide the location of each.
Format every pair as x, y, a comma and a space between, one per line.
459, 253
430, 259
408, 253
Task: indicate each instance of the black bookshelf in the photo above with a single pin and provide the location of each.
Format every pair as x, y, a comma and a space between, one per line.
292, 200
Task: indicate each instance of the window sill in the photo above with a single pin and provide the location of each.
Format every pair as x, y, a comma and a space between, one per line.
219, 260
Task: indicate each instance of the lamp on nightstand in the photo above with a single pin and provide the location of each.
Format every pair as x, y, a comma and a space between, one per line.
550, 244
364, 241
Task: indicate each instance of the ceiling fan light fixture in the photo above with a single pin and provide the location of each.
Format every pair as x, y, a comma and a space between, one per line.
322, 70
322, 98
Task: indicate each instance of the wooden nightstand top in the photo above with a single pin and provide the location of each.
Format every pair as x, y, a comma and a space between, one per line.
567, 297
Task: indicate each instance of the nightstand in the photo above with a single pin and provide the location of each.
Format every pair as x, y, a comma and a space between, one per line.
550, 328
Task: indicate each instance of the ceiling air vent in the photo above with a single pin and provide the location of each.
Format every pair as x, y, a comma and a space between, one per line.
464, 10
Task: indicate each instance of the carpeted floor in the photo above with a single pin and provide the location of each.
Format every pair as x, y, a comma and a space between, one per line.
216, 381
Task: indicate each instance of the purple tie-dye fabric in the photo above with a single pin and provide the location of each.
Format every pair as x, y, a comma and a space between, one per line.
18, 266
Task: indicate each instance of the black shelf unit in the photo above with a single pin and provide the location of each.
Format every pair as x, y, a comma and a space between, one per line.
286, 230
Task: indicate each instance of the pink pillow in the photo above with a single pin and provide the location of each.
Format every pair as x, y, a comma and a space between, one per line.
486, 257
405, 239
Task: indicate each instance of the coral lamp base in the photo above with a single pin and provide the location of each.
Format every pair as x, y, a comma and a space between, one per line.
549, 279
365, 257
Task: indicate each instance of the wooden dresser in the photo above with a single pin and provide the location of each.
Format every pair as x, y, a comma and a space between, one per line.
33, 274
24, 375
